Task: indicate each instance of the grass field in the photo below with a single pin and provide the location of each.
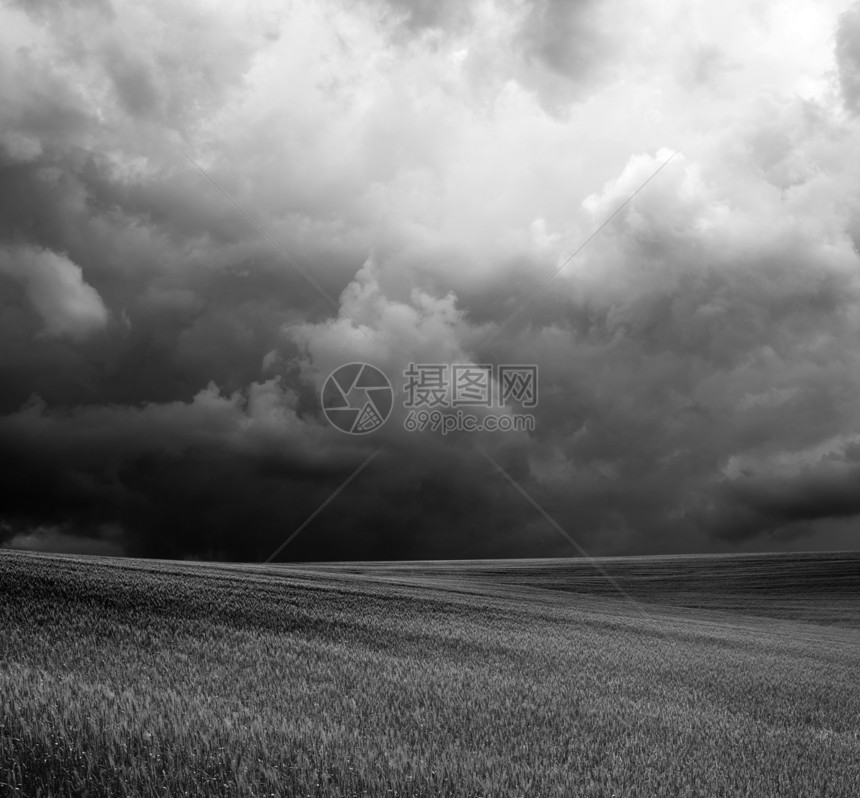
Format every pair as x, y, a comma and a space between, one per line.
723, 676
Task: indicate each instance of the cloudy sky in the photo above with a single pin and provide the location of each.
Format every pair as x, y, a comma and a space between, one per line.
206, 207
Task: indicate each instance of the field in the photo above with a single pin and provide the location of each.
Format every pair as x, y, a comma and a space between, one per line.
713, 676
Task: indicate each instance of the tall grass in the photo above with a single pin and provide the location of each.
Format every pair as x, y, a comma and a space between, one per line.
131, 678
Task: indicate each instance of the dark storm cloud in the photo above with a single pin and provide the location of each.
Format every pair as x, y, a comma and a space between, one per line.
421, 15
133, 81
163, 472
671, 358
789, 502
234, 476
430, 167
181, 285
566, 37
848, 56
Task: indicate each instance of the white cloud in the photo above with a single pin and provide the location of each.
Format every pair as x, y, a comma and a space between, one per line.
56, 287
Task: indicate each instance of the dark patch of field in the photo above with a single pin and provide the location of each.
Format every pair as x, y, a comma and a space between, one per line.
821, 587
713, 676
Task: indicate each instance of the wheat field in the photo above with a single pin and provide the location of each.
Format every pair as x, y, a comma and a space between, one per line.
710, 677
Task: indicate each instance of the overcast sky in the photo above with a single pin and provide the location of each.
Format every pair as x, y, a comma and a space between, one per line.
428, 165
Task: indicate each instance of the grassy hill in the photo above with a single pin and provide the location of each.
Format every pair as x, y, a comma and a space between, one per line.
712, 676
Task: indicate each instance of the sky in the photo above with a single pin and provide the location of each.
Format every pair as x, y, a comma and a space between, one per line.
206, 208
